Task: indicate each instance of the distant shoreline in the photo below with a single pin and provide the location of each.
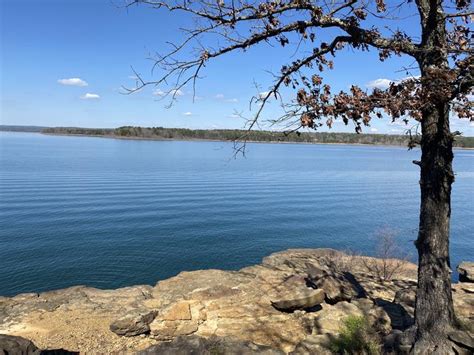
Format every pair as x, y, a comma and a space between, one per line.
231, 136
159, 139
226, 141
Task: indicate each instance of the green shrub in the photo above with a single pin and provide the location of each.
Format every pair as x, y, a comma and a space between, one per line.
356, 337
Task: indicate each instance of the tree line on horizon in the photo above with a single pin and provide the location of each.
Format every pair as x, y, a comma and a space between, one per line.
251, 136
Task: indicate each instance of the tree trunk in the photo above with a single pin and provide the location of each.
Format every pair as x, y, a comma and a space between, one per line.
434, 311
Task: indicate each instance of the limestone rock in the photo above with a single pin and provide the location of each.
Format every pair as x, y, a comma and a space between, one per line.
295, 294
331, 318
167, 330
397, 342
462, 339
204, 284
463, 299
466, 272
338, 287
401, 316
298, 260
17, 345
406, 297
377, 317
179, 311
282, 331
314, 344
235, 305
175, 321
316, 272
194, 345
133, 324
391, 341
467, 287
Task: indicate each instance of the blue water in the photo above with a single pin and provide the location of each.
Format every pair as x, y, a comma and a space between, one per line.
110, 213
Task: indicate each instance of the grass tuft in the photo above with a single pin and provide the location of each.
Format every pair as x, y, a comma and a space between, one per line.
356, 337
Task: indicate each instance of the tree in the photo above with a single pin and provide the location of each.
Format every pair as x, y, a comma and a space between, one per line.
443, 57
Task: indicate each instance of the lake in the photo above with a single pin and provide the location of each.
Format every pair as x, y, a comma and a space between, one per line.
109, 213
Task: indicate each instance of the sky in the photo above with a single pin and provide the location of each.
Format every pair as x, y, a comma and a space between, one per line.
65, 63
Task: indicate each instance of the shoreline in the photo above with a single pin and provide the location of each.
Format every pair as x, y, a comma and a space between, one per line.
224, 141
250, 306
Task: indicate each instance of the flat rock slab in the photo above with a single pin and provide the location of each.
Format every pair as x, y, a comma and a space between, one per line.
235, 305
462, 339
179, 311
194, 345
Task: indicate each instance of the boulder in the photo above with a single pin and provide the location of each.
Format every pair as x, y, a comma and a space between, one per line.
466, 271
401, 316
406, 297
338, 287
133, 324
10, 344
316, 271
195, 345
16, 345
295, 294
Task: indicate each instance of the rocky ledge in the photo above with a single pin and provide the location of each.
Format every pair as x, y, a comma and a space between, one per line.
294, 302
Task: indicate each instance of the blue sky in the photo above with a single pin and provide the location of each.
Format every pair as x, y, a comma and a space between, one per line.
63, 63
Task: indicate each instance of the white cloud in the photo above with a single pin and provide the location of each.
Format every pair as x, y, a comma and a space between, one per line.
263, 94
398, 123
471, 124
222, 97
379, 83
72, 82
90, 96
175, 92
187, 113
374, 130
384, 83
234, 115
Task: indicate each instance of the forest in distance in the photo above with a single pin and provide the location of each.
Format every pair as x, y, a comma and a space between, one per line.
161, 133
